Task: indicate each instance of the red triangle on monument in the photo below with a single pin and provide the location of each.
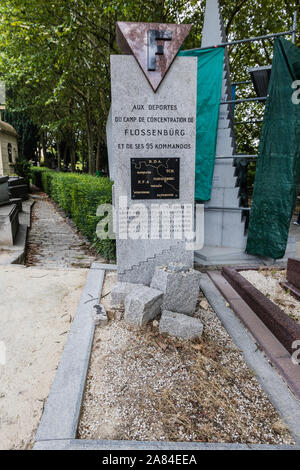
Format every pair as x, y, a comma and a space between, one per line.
154, 45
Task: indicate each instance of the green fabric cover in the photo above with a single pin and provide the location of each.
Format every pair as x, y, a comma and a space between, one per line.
209, 87
278, 167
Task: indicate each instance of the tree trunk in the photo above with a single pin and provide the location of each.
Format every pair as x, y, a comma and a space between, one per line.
73, 156
90, 139
44, 147
65, 155
90, 151
58, 157
98, 154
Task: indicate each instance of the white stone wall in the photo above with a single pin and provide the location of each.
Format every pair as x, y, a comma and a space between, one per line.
6, 168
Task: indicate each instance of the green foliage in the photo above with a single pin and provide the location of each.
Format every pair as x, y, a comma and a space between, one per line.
55, 61
23, 168
26, 130
79, 196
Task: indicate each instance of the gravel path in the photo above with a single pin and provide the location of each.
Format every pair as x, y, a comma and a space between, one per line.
53, 242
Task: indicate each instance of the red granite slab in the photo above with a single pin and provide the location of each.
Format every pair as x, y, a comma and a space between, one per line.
286, 330
293, 272
276, 352
293, 290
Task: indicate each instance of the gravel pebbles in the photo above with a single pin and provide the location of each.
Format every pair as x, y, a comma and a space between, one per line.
145, 386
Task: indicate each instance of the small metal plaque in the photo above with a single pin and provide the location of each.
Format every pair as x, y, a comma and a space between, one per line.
155, 178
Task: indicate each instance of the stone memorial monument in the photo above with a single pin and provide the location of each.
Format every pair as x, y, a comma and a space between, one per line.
152, 153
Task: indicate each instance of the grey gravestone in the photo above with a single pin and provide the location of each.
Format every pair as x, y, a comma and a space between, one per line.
17, 188
9, 220
138, 116
9, 224
4, 194
181, 326
223, 227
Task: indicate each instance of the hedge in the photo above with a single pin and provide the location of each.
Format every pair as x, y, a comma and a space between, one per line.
79, 196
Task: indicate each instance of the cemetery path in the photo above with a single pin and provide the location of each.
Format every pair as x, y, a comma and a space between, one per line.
54, 242
36, 313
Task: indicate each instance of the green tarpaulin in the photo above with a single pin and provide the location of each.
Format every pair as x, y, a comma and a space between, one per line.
209, 86
278, 167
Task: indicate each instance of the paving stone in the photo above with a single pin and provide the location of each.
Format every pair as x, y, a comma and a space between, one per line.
180, 286
142, 305
180, 325
54, 243
120, 292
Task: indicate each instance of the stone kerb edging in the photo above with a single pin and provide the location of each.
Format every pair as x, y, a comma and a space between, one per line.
62, 410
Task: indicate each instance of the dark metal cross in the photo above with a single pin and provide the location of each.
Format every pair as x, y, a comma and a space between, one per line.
155, 49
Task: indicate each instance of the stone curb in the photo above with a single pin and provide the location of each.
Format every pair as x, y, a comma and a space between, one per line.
275, 387
107, 267
77, 444
62, 410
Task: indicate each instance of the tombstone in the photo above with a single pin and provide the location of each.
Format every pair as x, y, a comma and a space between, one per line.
4, 194
152, 143
9, 224
18, 189
9, 219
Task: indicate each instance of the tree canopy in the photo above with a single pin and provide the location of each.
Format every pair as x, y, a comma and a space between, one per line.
55, 61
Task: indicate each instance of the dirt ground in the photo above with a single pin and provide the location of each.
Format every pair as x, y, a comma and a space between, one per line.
145, 386
268, 281
36, 310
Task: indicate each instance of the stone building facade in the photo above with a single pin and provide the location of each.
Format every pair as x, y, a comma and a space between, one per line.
8, 148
